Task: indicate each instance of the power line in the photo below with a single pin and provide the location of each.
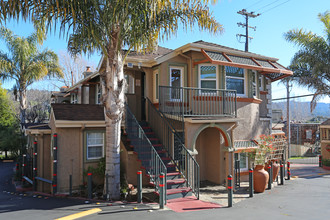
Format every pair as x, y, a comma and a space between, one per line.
293, 97
275, 7
268, 5
254, 4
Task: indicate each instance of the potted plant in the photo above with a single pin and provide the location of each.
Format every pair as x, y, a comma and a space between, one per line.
260, 175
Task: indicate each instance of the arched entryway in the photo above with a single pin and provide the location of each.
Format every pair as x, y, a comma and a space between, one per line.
212, 144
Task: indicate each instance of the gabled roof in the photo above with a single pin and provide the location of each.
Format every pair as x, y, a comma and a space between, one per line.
161, 51
78, 112
209, 45
327, 122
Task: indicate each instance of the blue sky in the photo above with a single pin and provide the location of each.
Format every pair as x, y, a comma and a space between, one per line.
277, 17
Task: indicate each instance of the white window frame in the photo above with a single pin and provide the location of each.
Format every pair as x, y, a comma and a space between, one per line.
181, 80
261, 82
216, 76
246, 161
235, 77
74, 98
98, 91
87, 146
309, 134
155, 87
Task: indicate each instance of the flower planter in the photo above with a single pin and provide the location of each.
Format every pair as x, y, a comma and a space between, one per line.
260, 179
276, 170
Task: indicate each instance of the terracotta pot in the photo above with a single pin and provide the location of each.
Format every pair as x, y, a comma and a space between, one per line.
276, 169
260, 178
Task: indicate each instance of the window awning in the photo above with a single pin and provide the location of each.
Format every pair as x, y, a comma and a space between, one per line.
271, 69
243, 145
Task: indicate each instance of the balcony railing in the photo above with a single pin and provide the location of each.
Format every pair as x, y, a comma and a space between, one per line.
194, 102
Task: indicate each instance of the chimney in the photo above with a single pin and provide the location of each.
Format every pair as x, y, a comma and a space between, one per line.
63, 88
88, 72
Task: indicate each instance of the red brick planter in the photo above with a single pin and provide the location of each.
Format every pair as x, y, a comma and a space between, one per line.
326, 167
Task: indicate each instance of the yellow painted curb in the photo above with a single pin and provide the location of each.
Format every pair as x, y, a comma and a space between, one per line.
80, 214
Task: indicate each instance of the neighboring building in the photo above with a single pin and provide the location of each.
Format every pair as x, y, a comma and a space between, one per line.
213, 99
305, 138
325, 139
277, 116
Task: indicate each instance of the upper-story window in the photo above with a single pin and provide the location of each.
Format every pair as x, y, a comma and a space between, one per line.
208, 76
235, 79
130, 84
98, 93
176, 80
74, 98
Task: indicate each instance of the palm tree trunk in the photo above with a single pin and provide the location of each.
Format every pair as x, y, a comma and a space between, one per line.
22, 102
113, 100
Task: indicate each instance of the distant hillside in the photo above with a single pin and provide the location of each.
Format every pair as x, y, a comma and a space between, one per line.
301, 110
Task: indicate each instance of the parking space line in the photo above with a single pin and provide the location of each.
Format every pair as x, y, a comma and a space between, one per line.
80, 214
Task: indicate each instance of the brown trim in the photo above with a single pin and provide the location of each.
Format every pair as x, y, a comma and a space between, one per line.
263, 92
207, 56
245, 150
224, 136
156, 105
256, 62
246, 66
251, 100
225, 55
199, 62
272, 64
90, 83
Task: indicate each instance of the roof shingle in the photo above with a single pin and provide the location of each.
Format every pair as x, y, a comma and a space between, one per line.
78, 112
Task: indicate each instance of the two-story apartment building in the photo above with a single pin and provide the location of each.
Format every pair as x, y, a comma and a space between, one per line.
198, 107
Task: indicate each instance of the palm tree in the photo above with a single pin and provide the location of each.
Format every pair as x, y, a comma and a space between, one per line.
25, 64
311, 64
109, 26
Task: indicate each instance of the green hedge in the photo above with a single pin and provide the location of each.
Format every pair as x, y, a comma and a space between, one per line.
326, 162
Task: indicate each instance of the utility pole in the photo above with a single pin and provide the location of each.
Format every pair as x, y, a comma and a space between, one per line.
246, 25
288, 127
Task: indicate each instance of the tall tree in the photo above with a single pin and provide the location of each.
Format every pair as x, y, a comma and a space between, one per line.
9, 135
109, 26
73, 67
311, 64
25, 63
7, 113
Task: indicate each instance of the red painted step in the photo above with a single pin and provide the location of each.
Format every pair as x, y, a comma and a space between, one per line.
168, 174
171, 182
179, 190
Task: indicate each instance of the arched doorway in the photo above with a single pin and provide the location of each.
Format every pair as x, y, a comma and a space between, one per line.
212, 144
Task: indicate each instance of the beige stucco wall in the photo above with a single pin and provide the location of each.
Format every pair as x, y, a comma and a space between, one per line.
250, 126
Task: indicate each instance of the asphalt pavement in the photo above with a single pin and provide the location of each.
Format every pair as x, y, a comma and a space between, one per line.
305, 197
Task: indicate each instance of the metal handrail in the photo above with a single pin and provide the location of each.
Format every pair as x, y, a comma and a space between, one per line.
148, 155
186, 163
186, 101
